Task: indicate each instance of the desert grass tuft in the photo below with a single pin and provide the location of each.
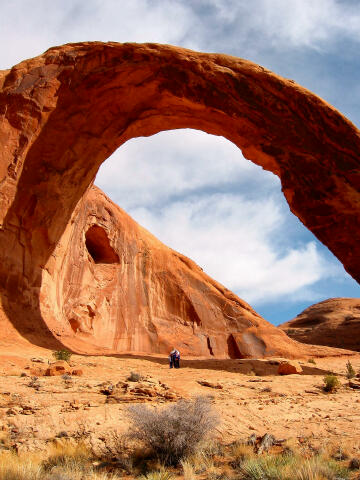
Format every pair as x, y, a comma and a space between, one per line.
67, 453
162, 474
188, 469
15, 467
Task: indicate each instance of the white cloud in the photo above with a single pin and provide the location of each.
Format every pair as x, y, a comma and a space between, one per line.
152, 170
198, 194
232, 239
40, 24
221, 25
285, 24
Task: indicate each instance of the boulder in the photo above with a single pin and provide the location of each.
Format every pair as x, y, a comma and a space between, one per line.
289, 367
58, 368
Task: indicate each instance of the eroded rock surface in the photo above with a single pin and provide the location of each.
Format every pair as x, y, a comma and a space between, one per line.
63, 113
149, 298
334, 322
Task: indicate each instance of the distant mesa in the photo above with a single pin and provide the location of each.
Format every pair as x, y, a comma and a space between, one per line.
75, 270
334, 322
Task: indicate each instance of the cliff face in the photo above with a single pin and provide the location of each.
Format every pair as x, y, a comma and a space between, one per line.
63, 113
121, 289
334, 322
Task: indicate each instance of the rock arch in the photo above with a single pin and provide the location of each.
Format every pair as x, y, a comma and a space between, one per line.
64, 112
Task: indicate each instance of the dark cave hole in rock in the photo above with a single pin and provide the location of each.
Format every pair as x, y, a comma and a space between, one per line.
75, 324
98, 245
233, 349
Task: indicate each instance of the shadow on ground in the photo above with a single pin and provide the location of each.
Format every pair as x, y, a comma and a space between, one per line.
258, 367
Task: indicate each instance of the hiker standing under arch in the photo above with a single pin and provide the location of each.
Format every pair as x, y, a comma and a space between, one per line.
174, 358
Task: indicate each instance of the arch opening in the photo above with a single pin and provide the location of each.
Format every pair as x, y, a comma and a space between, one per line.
197, 193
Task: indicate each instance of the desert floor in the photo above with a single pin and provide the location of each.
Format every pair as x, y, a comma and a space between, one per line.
257, 401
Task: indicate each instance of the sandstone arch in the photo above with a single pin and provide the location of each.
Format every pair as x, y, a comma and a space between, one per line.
65, 112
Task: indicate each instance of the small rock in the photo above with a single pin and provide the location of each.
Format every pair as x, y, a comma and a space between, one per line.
78, 372
205, 383
355, 384
58, 368
354, 464
38, 360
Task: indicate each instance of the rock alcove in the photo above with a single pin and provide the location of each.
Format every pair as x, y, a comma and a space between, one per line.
65, 112
98, 246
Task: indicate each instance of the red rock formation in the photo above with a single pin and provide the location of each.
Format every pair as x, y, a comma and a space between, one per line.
334, 322
63, 113
148, 298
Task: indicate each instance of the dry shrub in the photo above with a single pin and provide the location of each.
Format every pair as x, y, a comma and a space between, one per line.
14, 467
160, 475
241, 452
135, 377
173, 432
291, 467
320, 468
68, 454
188, 470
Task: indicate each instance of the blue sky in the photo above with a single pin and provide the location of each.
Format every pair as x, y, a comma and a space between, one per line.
195, 191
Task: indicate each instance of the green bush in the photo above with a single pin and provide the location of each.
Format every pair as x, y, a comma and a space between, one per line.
350, 372
331, 382
62, 355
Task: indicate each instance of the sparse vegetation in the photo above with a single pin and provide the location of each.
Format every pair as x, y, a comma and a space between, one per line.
350, 372
311, 360
331, 383
62, 355
135, 377
67, 459
173, 432
160, 475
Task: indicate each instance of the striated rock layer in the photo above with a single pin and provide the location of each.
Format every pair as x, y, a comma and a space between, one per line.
63, 113
334, 322
126, 291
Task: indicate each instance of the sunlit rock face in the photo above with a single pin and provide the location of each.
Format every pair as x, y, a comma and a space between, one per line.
127, 291
65, 112
334, 322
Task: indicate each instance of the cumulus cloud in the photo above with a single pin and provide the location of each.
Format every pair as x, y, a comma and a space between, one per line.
231, 238
40, 24
198, 194
280, 24
154, 170
234, 26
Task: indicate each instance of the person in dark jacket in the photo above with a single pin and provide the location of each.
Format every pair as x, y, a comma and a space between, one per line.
174, 358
